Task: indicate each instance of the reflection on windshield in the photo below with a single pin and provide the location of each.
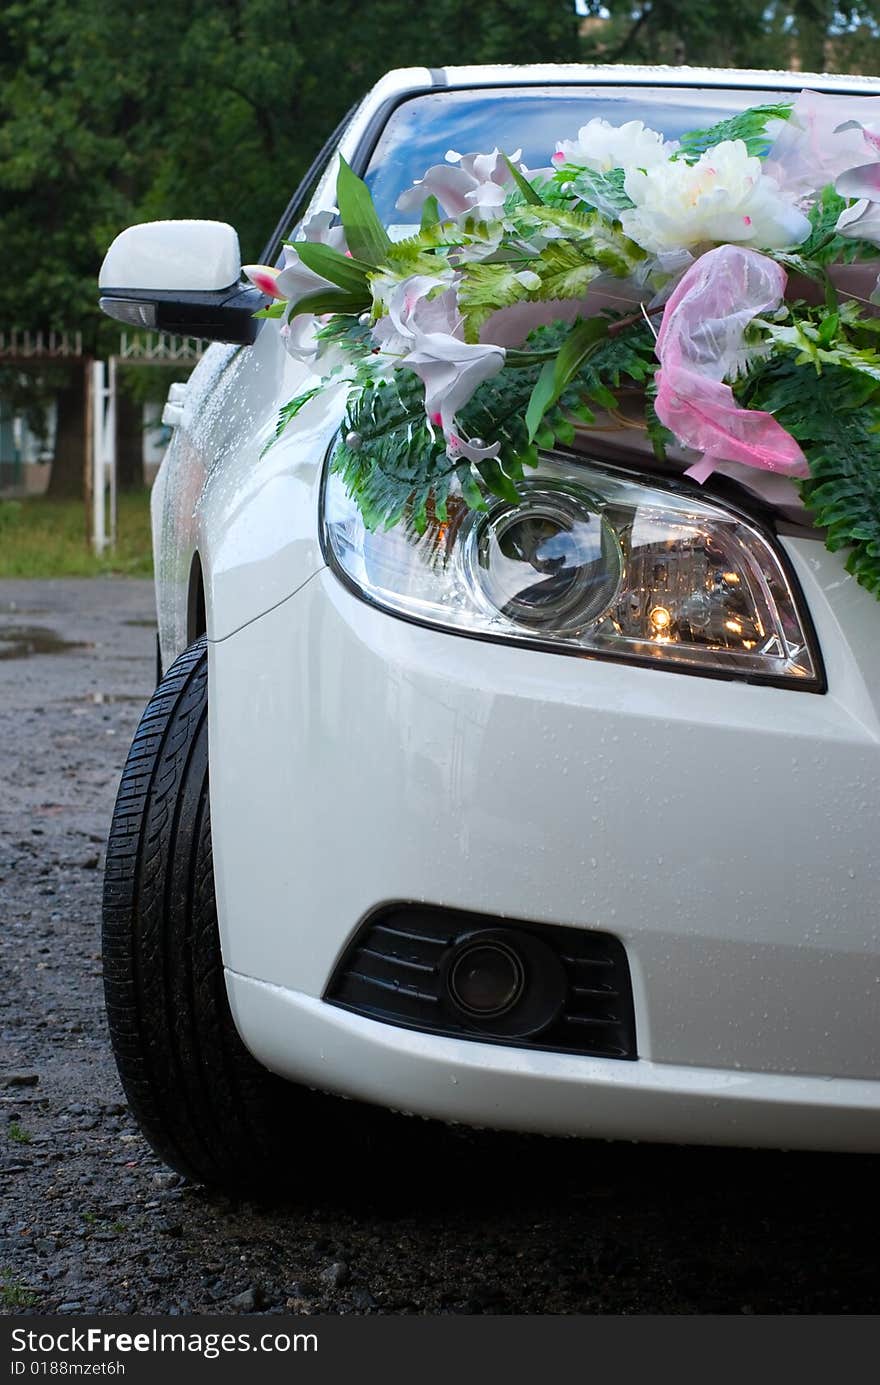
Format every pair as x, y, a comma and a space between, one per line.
422, 130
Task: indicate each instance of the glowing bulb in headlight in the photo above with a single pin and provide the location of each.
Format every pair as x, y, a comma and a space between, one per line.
660, 619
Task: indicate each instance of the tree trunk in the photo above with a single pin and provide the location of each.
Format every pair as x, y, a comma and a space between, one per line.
66, 479
129, 442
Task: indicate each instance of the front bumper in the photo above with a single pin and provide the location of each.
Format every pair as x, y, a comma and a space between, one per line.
725, 833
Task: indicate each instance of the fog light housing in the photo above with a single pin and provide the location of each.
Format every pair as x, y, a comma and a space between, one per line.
504, 983
486, 978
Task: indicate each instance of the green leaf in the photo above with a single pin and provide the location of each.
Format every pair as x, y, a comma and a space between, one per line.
343, 270
276, 309
583, 338
602, 190
473, 496
331, 301
523, 184
430, 213
565, 271
750, 126
365, 235
543, 395
497, 480
484, 289
567, 268
290, 411
835, 417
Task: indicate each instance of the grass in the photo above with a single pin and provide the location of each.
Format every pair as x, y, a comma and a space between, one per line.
18, 1134
14, 1294
46, 538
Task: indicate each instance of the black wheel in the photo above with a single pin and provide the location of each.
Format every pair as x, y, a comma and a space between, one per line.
205, 1105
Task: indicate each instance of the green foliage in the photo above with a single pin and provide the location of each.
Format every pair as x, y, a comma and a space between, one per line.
486, 288
289, 411
582, 341
400, 469
835, 417
529, 194
15, 1295
567, 269
750, 126
398, 464
366, 236
46, 538
811, 35
563, 269
344, 271
602, 190
332, 300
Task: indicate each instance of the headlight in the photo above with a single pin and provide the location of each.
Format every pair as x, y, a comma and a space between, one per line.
590, 561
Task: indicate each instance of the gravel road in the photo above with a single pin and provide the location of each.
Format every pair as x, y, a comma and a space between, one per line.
476, 1223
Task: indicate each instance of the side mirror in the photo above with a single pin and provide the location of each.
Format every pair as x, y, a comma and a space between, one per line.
181, 277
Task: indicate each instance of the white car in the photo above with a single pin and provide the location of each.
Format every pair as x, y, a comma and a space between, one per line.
459, 868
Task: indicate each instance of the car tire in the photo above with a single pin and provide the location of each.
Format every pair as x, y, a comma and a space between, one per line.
203, 1102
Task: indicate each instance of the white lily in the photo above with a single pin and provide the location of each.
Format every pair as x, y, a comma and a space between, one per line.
295, 280
466, 185
409, 311
292, 280
424, 333
452, 370
861, 221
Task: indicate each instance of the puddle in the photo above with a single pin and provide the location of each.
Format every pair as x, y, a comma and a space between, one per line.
143, 624
24, 641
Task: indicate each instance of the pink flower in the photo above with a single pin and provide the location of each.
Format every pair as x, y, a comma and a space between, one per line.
264, 278
701, 341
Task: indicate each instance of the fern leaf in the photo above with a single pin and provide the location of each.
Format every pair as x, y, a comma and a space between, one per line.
750, 126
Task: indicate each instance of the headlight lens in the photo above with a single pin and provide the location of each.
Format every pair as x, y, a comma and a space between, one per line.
590, 561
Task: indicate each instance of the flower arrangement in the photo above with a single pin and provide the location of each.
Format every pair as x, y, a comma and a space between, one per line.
719, 256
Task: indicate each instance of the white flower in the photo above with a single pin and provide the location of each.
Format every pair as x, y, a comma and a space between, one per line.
294, 279
301, 341
410, 312
467, 185
861, 221
824, 137
602, 146
452, 370
424, 333
723, 197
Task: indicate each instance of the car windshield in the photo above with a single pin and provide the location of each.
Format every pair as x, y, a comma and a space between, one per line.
423, 129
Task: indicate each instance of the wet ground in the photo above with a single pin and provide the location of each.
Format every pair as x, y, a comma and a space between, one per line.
89, 1219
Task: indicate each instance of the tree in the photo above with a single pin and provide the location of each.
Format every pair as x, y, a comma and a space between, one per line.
813, 35
112, 113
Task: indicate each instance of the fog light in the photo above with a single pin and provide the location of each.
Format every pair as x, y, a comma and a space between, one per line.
503, 982
486, 979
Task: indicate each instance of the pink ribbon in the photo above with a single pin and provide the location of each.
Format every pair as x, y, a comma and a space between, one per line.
701, 341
